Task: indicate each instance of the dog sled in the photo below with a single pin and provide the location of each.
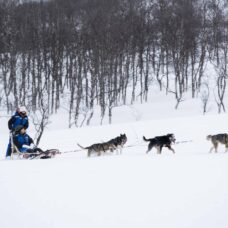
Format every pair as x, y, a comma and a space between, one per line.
50, 153
32, 154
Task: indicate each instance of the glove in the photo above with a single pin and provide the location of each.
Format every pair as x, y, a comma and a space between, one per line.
33, 146
26, 147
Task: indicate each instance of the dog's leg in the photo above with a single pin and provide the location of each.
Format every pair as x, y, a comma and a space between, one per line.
117, 150
158, 149
211, 149
121, 148
170, 148
226, 147
216, 147
149, 148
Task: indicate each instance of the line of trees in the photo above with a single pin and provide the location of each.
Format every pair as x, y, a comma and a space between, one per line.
83, 53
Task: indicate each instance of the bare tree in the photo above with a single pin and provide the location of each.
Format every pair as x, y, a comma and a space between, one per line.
204, 96
95, 52
40, 118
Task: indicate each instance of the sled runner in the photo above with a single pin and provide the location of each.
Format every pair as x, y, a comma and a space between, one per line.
42, 155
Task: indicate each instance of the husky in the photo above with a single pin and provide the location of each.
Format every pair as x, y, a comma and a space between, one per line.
97, 148
118, 142
111, 145
161, 141
216, 139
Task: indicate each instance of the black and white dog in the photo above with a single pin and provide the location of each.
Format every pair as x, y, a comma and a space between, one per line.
160, 141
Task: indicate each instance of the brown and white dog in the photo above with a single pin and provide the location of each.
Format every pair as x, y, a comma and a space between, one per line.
218, 139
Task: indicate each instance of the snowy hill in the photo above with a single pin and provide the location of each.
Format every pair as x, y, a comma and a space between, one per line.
134, 189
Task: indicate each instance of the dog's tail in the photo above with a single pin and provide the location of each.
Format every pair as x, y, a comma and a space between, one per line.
209, 137
144, 138
81, 147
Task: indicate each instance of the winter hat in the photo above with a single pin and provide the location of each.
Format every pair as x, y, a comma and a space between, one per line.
22, 110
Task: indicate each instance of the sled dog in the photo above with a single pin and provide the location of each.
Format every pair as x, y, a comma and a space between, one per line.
111, 145
97, 148
216, 139
160, 141
118, 142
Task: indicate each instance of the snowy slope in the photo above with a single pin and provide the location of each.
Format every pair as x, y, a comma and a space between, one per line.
186, 189
139, 191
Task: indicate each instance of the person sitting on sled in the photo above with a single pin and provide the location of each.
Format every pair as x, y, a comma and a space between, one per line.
20, 118
24, 142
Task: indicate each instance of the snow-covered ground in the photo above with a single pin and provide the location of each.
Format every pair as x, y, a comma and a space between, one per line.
134, 189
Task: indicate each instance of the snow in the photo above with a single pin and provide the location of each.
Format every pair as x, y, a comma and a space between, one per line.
187, 189
117, 191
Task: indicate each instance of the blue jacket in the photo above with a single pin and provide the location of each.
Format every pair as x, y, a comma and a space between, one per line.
22, 139
16, 120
